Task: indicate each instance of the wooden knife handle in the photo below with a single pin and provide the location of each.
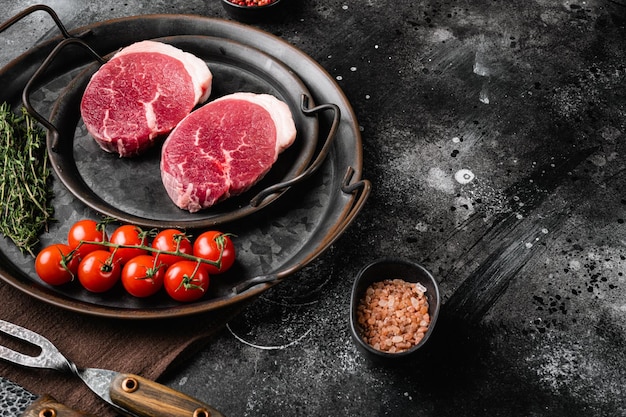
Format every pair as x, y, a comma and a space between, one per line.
147, 398
46, 406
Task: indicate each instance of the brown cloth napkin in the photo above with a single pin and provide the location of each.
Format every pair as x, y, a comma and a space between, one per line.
146, 348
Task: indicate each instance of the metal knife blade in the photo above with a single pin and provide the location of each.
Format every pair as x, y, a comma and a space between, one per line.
15, 401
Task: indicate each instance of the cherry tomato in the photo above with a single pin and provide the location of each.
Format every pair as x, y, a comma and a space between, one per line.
186, 280
56, 265
210, 244
89, 231
141, 276
128, 235
99, 271
171, 240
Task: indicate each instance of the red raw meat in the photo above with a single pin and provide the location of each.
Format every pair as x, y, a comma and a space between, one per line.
224, 148
142, 93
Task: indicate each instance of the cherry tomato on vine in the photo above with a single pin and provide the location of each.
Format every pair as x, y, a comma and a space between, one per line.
186, 281
99, 271
128, 235
141, 277
171, 240
209, 245
56, 265
86, 230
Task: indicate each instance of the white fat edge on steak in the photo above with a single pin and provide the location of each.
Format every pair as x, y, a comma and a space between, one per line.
279, 112
201, 76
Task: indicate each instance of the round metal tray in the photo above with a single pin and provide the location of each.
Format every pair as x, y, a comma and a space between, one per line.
131, 190
271, 244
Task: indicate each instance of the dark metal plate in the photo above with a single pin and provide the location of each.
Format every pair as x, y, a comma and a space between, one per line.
130, 189
271, 243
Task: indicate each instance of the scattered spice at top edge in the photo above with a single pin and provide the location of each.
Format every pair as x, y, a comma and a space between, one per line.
252, 3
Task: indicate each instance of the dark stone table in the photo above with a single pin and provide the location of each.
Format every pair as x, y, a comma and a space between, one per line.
494, 134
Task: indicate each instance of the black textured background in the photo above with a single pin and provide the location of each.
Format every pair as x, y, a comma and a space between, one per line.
530, 97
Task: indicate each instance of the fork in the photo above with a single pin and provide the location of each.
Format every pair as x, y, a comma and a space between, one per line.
129, 394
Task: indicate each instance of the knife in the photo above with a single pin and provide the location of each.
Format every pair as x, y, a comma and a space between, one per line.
16, 401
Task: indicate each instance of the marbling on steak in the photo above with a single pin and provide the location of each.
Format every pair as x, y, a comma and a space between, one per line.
224, 147
141, 93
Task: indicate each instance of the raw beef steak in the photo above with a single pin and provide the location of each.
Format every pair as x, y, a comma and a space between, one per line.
224, 148
142, 92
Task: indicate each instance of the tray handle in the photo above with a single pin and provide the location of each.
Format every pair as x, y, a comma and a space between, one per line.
40, 7
363, 187
281, 186
53, 131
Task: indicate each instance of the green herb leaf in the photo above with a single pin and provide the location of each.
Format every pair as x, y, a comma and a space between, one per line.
25, 192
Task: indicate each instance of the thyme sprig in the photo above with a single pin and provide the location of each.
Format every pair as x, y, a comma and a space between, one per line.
25, 209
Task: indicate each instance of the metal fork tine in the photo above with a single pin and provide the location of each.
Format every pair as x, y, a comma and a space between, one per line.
48, 358
98, 380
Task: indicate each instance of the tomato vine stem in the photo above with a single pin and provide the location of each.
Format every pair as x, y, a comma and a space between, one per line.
187, 281
187, 256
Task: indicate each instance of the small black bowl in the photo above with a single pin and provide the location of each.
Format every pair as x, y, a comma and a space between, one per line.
252, 14
392, 268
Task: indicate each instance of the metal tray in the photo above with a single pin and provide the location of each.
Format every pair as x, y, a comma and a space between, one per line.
271, 244
131, 190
